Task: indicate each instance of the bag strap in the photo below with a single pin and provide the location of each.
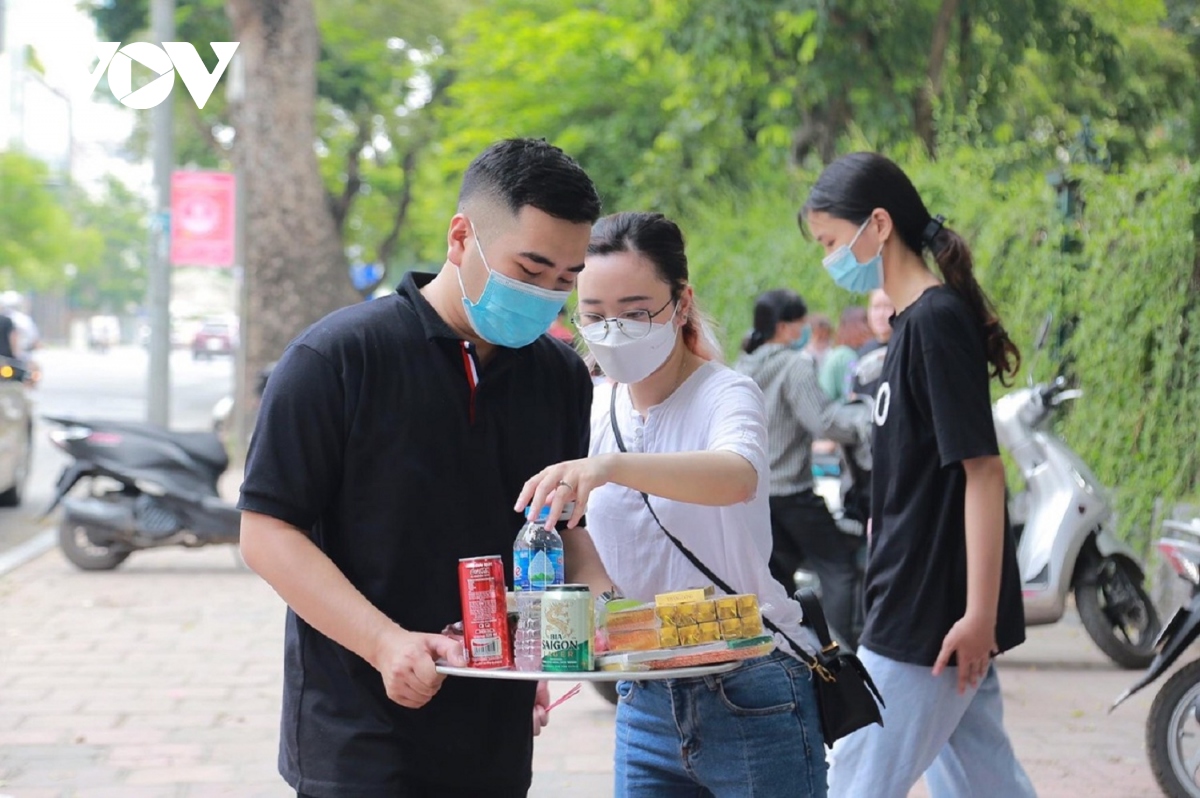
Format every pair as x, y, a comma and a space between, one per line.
704, 569
814, 616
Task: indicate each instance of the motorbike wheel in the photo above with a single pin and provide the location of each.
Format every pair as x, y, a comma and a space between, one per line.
1173, 723
83, 553
1116, 612
607, 691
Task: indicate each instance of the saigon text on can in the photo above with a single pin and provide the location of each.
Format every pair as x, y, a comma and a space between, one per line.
568, 628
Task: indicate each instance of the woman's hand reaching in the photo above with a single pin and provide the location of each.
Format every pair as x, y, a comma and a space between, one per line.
562, 483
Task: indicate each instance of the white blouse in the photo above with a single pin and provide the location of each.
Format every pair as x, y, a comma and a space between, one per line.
718, 410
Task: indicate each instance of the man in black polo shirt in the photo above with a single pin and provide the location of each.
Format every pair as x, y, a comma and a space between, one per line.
392, 440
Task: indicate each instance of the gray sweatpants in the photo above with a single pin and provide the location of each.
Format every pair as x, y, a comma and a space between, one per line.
957, 741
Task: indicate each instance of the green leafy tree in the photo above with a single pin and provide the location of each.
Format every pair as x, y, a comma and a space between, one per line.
115, 279
37, 234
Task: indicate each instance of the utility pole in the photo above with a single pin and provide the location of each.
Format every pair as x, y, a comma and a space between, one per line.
158, 405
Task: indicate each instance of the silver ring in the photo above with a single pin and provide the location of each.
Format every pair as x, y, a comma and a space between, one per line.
566, 484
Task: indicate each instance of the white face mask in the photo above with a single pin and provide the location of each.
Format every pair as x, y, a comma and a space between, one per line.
629, 360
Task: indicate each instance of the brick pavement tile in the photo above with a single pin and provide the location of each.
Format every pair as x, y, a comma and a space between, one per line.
555, 785
19, 738
127, 791
205, 774
122, 736
170, 721
70, 723
244, 789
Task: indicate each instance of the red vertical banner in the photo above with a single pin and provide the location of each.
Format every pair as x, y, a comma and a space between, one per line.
202, 218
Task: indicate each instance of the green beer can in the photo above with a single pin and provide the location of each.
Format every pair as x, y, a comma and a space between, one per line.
568, 628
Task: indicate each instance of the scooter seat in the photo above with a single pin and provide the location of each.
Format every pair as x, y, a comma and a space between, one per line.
204, 446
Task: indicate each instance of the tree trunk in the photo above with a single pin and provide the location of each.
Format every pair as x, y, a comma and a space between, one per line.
923, 103
294, 262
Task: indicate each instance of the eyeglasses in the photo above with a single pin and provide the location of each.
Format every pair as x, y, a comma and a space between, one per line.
633, 324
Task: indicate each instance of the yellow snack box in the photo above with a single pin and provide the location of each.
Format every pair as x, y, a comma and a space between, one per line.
689, 635
731, 628
668, 637
747, 605
727, 607
685, 614
669, 615
710, 632
684, 596
706, 611
752, 626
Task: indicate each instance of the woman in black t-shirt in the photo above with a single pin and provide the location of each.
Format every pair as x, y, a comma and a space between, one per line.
942, 587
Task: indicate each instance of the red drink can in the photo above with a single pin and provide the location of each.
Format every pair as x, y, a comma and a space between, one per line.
485, 612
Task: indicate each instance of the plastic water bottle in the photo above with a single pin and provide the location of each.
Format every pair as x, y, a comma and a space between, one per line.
537, 565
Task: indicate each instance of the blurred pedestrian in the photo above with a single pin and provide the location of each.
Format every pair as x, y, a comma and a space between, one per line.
864, 377
8, 337
852, 334
803, 530
820, 339
12, 304
391, 440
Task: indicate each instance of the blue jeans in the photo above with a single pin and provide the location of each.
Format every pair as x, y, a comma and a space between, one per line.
957, 741
751, 733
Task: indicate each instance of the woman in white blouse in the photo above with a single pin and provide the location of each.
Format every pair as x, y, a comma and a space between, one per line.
695, 436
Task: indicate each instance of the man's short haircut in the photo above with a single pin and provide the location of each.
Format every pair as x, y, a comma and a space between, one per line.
531, 172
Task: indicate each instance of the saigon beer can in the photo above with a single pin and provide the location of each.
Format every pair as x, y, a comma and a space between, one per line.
568, 628
485, 612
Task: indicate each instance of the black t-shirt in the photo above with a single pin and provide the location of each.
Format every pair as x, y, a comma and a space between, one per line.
6, 331
932, 411
365, 439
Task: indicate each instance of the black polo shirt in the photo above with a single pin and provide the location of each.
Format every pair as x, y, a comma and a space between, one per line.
371, 437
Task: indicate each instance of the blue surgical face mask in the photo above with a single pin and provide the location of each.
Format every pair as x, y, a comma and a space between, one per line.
843, 266
805, 337
510, 313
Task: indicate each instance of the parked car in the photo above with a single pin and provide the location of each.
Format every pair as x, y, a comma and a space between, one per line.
16, 432
214, 338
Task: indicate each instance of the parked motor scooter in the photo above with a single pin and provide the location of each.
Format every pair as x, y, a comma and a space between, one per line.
1173, 725
147, 488
1063, 522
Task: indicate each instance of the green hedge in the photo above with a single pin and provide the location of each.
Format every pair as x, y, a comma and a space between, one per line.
1134, 287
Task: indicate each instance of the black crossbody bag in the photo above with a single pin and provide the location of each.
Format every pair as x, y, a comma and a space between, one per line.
846, 695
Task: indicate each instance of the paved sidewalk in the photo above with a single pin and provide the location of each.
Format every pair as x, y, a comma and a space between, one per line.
162, 679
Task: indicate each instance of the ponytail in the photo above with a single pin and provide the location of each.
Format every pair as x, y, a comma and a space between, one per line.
772, 308
953, 258
753, 340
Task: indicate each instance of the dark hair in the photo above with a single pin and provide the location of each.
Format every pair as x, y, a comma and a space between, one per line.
660, 241
531, 172
853, 186
770, 309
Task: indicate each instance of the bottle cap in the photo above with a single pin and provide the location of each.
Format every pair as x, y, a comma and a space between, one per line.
544, 515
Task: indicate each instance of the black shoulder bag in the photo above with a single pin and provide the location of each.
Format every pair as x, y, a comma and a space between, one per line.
846, 694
